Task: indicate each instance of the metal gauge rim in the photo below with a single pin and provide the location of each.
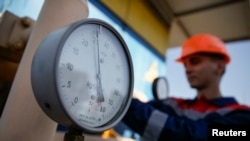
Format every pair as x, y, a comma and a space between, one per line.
124, 107
156, 85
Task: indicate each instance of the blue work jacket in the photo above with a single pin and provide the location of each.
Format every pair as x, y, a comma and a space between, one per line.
176, 119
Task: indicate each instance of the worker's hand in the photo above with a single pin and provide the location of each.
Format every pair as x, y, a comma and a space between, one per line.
140, 96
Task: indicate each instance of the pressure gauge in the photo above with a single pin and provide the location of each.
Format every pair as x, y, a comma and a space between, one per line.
160, 88
82, 76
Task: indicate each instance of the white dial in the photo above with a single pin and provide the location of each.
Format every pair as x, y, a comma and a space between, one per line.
93, 74
160, 88
82, 76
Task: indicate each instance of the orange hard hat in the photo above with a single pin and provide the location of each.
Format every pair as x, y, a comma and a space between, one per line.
204, 43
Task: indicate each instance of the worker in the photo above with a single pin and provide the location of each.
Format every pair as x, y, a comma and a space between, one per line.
204, 57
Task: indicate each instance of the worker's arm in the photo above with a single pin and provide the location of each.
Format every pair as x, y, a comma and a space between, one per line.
155, 125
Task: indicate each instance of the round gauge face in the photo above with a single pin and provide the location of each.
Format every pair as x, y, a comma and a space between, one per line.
160, 88
93, 75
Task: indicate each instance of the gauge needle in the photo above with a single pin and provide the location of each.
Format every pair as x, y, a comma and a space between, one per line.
99, 88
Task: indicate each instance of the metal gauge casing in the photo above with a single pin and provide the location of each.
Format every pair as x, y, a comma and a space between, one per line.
160, 88
82, 76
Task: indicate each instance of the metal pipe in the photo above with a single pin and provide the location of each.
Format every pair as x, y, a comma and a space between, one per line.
22, 118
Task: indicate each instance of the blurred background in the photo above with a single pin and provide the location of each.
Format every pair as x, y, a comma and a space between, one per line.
154, 31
